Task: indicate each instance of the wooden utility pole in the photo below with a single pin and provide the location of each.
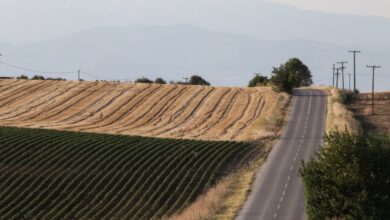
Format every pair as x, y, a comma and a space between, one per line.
337, 77
78, 75
342, 71
349, 76
354, 68
372, 92
186, 79
334, 71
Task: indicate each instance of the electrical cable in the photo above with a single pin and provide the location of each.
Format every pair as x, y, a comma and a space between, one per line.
36, 71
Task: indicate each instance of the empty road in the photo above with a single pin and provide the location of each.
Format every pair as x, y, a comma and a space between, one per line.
277, 192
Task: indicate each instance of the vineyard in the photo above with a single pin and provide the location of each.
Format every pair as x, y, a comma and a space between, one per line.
46, 174
170, 111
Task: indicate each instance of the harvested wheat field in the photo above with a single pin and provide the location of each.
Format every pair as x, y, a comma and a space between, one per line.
174, 111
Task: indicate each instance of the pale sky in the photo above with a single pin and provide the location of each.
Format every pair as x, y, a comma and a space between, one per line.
355, 7
26, 20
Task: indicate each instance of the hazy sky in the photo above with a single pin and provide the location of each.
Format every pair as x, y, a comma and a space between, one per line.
27, 20
356, 7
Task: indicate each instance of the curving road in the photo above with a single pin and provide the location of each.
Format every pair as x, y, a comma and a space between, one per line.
277, 192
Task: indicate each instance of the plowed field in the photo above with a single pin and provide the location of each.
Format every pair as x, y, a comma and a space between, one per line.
174, 111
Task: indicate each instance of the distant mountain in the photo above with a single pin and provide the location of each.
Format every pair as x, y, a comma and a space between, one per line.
273, 21
173, 52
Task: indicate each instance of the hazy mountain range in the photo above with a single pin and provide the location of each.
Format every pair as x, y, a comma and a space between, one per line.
177, 51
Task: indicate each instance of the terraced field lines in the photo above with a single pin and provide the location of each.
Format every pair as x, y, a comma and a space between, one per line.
169, 111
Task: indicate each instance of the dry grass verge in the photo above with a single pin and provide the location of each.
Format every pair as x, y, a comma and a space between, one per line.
338, 116
223, 201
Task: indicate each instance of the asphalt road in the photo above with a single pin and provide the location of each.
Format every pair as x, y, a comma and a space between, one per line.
278, 189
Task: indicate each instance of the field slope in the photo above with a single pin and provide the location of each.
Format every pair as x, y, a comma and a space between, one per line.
377, 123
173, 111
46, 174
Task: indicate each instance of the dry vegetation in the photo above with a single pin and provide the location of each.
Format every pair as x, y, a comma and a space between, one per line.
379, 122
223, 201
175, 111
338, 116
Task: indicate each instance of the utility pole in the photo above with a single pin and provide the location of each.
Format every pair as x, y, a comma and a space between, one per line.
334, 71
373, 76
337, 77
186, 79
349, 81
78, 75
354, 67
342, 71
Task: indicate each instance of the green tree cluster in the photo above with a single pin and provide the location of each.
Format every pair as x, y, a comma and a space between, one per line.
258, 80
22, 77
292, 74
160, 80
349, 179
198, 80
38, 77
143, 80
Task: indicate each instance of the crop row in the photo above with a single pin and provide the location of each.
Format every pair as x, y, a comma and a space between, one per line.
47, 174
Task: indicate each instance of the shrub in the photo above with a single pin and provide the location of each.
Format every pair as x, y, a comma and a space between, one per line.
22, 77
160, 81
198, 80
38, 77
258, 80
143, 80
349, 178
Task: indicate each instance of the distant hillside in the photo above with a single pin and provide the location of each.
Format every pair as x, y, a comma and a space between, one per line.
269, 20
173, 52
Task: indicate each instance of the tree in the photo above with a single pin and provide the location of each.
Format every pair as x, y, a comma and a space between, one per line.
348, 179
291, 75
258, 80
198, 80
160, 81
56, 79
38, 77
22, 77
143, 80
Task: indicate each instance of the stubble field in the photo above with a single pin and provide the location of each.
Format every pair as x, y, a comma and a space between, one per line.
170, 111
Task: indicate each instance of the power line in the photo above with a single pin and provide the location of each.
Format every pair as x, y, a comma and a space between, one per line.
33, 70
98, 76
136, 65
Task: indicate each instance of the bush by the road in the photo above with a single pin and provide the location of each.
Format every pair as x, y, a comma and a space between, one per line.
349, 178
